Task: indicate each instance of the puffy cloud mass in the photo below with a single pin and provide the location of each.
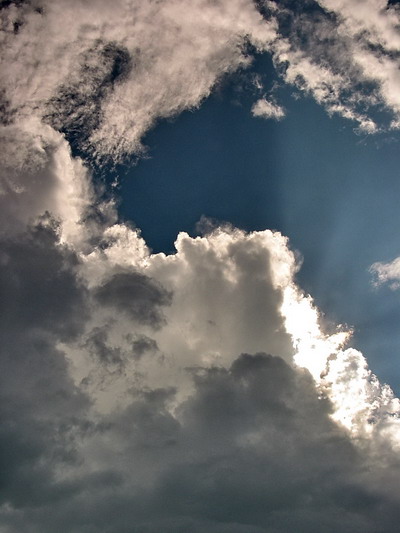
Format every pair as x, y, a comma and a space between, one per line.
195, 391
387, 273
143, 401
140, 395
266, 109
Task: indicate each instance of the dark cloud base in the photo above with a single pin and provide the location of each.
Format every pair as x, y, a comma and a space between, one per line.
41, 410
137, 295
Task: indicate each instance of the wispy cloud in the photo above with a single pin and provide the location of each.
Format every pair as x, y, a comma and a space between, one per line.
345, 54
107, 73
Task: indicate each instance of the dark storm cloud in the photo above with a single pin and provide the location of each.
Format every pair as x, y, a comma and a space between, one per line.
97, 344
6, 113
38, 286
41, 411
41, 414
143, 345
252, 450
137, 295
114, 358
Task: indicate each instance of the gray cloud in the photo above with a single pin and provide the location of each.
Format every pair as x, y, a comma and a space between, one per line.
142, 345
42, 412
137, 295
387, 273
38, 284
114, 357
253, 449
97, 344
192, 439
249, 447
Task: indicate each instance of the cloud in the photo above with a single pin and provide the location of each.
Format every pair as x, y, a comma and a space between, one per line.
387, 273
104, 75
252, 449
128, 408
266, 109
105, 79
344, 54
373, 27
38, 174
135, 294
42, 303
111, 423
162, 314
39, 286
138, 393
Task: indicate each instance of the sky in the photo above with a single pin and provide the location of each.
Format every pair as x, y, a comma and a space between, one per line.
199, 266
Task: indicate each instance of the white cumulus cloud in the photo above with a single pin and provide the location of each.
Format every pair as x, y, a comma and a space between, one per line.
266, 109
387, 273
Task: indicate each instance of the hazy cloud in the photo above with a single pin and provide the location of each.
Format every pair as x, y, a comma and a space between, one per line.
38, 174
252, 449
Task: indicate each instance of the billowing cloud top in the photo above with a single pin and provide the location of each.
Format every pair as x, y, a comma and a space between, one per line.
195, 391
